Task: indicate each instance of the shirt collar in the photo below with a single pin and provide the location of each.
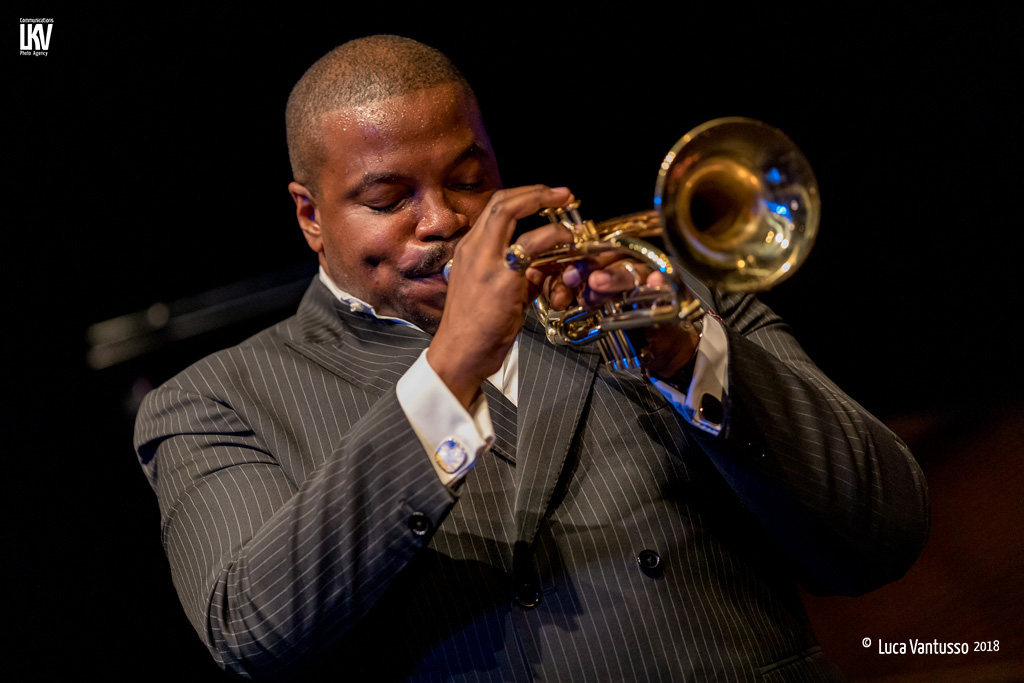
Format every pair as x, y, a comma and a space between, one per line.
355, 304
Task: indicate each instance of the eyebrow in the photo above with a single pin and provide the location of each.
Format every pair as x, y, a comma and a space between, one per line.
374, 178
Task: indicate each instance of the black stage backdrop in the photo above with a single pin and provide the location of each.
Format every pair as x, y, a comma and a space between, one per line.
146, 164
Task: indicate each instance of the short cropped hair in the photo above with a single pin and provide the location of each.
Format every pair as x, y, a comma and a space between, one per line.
357, 72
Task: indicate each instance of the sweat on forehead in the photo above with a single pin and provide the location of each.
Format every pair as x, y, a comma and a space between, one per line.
416, 110
357, 73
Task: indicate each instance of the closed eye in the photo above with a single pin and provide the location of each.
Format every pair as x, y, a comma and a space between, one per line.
384, 207
467, 187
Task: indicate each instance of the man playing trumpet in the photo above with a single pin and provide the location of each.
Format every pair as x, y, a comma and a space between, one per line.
408, 464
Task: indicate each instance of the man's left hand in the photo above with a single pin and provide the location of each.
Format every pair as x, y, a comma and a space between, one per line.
670, 346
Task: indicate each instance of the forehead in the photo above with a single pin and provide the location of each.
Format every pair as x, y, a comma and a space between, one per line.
421, 127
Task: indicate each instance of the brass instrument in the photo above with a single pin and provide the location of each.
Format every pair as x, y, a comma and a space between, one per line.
736, 203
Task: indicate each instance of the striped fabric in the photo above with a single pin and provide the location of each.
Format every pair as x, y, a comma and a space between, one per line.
600, 539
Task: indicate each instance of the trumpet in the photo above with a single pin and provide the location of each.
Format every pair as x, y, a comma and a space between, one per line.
736, 204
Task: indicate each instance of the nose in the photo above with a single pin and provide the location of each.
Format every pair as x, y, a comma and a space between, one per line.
439, 218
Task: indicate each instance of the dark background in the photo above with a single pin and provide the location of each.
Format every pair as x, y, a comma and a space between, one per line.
145, 162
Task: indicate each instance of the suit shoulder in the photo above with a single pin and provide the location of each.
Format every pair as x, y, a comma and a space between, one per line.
213, 389
234, 364
268, 346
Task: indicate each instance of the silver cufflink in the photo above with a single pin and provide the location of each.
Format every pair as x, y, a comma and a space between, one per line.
450, 456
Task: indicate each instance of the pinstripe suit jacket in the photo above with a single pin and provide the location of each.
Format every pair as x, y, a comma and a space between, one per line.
304, 525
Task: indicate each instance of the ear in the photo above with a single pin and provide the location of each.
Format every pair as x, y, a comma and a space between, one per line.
305, 211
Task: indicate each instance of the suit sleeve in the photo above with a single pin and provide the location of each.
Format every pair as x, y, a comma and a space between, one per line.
834, 488
266, 569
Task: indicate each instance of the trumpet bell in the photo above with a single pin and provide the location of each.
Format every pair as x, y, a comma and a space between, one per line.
739, 204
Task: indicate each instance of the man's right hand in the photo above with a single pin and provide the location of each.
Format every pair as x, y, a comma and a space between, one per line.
486, 302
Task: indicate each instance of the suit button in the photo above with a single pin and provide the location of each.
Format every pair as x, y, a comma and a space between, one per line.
528, 595
650, 562
419, 523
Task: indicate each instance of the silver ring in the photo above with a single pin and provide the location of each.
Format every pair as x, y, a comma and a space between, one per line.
517, 259
631, 269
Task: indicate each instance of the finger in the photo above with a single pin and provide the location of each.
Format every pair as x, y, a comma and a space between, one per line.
574, 276
577, 274
621, 276
657, 279
497, 222
560, 296
537, 241
550, 287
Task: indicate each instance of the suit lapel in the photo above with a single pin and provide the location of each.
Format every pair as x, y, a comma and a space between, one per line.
361, 350
554, 387
503, 419
374, 355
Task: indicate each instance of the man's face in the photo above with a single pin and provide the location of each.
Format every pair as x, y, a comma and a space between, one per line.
404, 180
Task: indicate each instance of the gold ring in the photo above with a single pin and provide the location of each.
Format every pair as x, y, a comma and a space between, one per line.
631, 269
517, 259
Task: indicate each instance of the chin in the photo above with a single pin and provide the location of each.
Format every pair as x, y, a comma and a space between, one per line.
426, 320
427, 294
425, 313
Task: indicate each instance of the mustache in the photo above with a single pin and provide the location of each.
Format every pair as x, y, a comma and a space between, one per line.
433, 260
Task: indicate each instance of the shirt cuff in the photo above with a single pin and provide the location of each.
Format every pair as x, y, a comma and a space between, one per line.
702, 402
451, 436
